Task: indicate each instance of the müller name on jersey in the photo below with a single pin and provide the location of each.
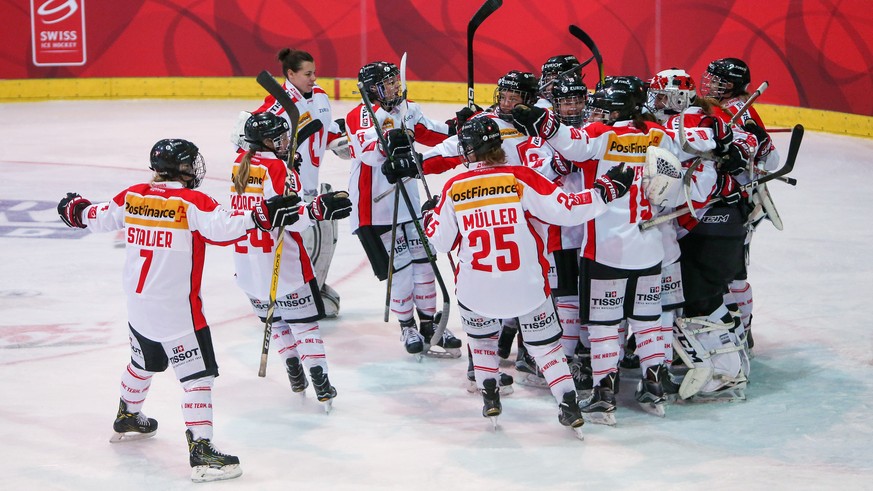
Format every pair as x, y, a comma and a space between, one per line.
148, 237
490, 218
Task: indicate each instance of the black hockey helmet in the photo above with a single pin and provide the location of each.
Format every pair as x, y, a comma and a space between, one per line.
553, 67
478, 136
176, 159
381, 80
268, 126
725, 77
517, 82
569, 97
616, 99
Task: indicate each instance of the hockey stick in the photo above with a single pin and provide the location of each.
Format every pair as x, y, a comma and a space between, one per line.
683, 138
441, 327
391, 256
269, 83
581, 35
487, 8
793, 148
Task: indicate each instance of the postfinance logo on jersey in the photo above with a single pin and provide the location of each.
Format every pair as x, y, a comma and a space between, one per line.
631, 147
150, 211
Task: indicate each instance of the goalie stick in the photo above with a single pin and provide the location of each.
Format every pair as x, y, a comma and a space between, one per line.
581, 35
487, 8
441, 327
272, 86
793, 148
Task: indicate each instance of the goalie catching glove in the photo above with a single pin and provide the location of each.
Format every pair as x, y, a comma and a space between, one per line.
534, 121
330, 206
70, 209
278, 211
615, 183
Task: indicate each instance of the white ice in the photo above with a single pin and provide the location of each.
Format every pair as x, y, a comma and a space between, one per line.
396, 423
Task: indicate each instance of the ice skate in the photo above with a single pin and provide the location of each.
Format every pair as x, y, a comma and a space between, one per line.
528, 372
296, 375
132, 426
323, 390
505, 381
650, 392
599, 408
448, 346
207, 463
491, 398
581, 375
570, 414
412, 340
671, 388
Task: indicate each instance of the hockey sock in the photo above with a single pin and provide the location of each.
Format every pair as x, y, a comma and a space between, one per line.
135, 385
604, 350
568, 315
550, 357
309, 345
741, 291
667, 319
650, 343
485, 359
284, 340
622, 338
424, 288
584, 337
401, 294
197, 406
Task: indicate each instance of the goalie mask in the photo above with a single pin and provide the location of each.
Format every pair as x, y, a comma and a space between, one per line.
178, 160
477, 137
553, 67
266, 126
670, 92
569, 96
381, 80
725, 77
514, 88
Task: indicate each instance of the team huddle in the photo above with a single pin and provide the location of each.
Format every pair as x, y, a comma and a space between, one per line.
591, 234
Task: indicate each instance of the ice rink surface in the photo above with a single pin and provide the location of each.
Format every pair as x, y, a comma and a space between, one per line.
397, 423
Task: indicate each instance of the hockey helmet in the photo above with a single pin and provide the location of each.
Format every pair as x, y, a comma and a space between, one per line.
381, 81
516, 87
670, 92
268, 126
176, 159
725, 77
478, 136
569, 96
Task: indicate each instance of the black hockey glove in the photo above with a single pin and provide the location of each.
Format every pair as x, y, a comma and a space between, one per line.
278, 211
70, 209
400, 165
330, 206
764, 143
342, 125
461, 117
615, 183
298, 161
398, 141
534, 121
721, 133
736, 160
427, 209
727, 188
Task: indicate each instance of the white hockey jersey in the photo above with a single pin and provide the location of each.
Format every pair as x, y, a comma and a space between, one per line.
254, 255
316, 106
366, 180
616, 239
166, 229
486, 213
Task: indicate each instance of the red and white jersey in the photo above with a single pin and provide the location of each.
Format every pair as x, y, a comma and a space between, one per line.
486, 212
254, 256
519, 149
731, 107
166, 228
366, 180
314, 106
572, 236
616, 240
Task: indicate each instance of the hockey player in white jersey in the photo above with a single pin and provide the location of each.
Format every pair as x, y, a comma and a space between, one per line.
413, 288
620, 270
501, 270
313, 104
258, 174
167, 224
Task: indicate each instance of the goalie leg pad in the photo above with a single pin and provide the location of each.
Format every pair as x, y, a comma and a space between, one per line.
712, 352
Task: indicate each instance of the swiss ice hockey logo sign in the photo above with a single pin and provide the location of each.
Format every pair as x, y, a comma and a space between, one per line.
57, 29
